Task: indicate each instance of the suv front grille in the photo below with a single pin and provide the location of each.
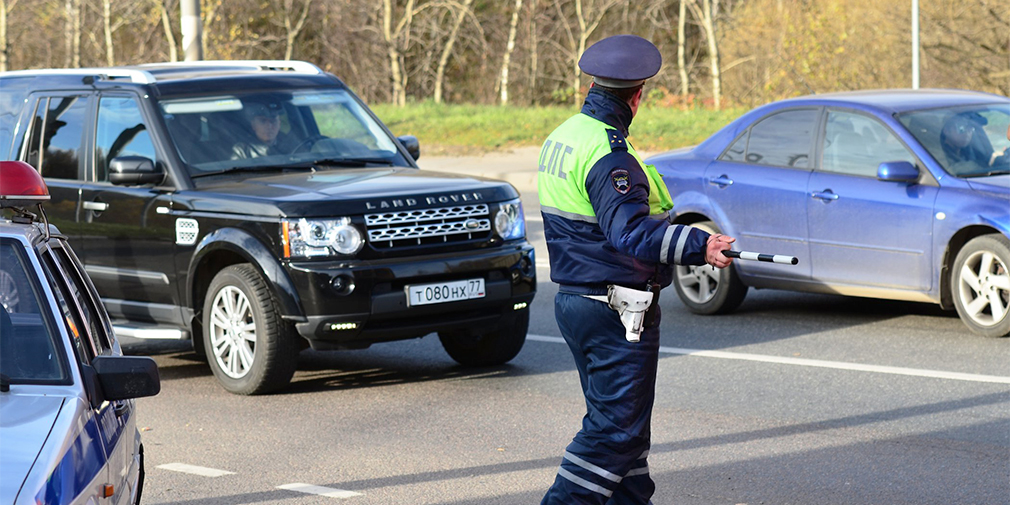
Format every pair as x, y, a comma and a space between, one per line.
461, 223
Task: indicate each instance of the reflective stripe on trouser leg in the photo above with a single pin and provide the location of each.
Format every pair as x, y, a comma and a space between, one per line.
605, 462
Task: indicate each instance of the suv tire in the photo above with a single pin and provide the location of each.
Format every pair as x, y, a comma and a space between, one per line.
251, 350
493, 347
706, 290
978, 283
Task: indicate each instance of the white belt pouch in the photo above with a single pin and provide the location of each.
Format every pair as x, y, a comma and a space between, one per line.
631, 305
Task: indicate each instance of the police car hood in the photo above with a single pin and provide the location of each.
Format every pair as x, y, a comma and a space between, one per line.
999, 184
25, 424
345, 191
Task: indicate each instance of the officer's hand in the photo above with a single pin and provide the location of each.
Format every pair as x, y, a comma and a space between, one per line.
717, 243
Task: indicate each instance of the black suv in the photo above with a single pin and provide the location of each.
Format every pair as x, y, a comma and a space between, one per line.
245, 204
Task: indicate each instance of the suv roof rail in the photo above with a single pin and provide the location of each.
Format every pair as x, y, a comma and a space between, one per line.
264, 65
137, 76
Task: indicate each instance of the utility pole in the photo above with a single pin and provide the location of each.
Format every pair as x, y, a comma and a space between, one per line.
915, 44
192, 47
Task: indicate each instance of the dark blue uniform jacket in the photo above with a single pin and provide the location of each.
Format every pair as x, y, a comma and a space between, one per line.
626, 246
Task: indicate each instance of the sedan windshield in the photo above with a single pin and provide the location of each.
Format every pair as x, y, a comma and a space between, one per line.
967, 141
247, 131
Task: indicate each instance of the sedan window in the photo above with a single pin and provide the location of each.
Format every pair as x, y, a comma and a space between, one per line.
783, 139
855, 144
29, 353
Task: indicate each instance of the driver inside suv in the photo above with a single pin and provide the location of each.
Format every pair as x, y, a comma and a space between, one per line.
265, 124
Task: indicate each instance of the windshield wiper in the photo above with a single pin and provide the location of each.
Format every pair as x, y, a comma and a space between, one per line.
353, 162
257, 168
1001, 171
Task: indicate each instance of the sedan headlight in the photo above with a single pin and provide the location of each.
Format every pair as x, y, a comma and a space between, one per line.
305, 238
509, 222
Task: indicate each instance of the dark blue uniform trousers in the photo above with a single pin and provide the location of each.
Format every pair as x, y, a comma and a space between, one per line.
606, 461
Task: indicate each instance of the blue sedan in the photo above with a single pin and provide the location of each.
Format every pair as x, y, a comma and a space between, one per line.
902, 195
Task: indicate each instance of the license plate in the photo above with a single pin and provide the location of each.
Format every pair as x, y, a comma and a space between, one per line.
441, 292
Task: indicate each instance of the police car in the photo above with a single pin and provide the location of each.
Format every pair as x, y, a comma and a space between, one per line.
68, 428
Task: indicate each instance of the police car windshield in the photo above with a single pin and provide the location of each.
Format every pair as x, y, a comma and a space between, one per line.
219, 132
29, 353
967, 141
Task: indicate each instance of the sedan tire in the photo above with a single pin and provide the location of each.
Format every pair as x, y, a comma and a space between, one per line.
980, 282
251, 350
707, 290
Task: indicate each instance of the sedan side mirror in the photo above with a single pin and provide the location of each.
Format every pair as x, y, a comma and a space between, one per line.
898, 171
412, 146
125, 377
134, 170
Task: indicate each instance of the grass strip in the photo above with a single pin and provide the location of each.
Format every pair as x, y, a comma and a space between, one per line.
445, 129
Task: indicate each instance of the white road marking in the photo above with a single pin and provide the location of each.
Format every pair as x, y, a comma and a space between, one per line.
319, 490
195, 470
838, 365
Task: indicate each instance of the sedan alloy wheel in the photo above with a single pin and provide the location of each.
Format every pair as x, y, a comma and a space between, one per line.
981, 284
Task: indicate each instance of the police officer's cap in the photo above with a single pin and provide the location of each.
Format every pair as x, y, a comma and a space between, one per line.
621, 61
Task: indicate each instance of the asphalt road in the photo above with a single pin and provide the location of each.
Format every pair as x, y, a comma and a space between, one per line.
793, 399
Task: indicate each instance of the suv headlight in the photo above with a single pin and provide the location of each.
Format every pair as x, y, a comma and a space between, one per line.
307, 238
509, 221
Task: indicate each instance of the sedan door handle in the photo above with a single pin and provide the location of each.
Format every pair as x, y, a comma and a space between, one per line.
826, 196
722, 181
96, 206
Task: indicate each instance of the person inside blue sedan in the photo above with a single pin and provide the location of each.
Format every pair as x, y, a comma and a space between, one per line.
967, 148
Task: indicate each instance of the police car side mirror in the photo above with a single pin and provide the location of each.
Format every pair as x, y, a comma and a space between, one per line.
126, 377
897, 171
411, 144
129, 170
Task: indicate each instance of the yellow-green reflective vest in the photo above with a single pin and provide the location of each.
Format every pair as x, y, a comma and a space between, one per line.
571, 151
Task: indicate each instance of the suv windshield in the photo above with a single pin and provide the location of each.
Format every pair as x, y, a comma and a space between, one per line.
967, 141
249, 131
28, 350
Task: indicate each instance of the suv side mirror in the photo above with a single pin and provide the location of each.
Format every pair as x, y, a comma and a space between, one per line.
125, 377
134, 170
412, 146
897, 171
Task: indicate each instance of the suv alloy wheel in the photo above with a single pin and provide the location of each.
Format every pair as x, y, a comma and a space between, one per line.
249, 347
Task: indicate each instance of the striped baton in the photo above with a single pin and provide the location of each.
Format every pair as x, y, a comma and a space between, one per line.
771, 258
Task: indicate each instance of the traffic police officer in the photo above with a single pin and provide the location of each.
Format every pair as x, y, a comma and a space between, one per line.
611, 247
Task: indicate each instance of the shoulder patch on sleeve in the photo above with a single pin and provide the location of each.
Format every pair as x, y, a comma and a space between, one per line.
621, 180
617, 140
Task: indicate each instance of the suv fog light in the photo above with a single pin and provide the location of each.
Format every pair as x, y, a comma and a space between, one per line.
342, 284
526, 266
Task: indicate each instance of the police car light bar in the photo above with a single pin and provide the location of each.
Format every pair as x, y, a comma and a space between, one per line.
21, 185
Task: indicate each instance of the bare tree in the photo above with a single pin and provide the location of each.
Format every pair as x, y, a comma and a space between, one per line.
74, 15
209, 12
110, 28
5, 8
707, 13
292, 32
397, 40
462, 11
110, 55
503, 82
534, 48
166, 23
685, 84
588, 15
